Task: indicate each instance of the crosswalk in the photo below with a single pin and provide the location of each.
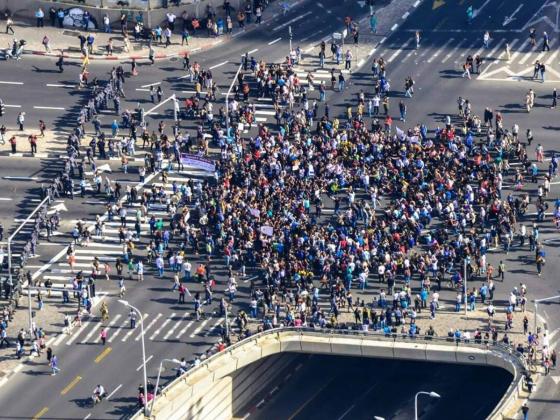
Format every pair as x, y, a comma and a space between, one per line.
107, 248
452, 52
157, 327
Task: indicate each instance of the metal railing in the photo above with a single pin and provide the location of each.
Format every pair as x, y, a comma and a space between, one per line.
503, 351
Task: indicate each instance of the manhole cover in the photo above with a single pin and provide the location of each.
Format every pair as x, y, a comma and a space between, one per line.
71, 33
173, 59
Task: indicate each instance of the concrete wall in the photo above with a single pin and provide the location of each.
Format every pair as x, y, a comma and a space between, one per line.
216, 389
26, 8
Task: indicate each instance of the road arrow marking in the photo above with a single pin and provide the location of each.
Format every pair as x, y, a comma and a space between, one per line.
57, 207
556, 379
437, 4
477, 11
104, 168
511, 17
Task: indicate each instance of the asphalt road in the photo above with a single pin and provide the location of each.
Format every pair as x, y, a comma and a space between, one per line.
329, 387
171, 330
435, 66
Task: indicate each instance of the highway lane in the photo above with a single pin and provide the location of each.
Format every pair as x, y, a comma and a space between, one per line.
329, 387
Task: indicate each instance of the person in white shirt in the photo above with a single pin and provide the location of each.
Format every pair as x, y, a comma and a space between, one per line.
171, 21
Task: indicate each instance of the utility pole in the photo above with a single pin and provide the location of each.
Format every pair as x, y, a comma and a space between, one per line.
290, 36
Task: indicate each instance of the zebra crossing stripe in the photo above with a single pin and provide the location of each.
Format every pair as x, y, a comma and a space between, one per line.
167, 321
150, 325
174, 327
118, 331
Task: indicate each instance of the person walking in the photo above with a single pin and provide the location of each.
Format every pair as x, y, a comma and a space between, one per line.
21, 120
60, 62
525, 411
54, 365
103, 336
132, 316
13, 144
546, 42
40, 17
554, 98
10, 25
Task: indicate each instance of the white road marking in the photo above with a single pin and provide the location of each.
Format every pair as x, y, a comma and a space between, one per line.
218, 65
12, 106
74, 336
199, 328
142, 365
150, 325
454, 50
167, 321
395, 26
151, 84
400, 50
115, 390
275, 41
56, 108
116, 333
21, 178
184, 330
5, 199
405, 15
174, 327
291, 21
216, 325
416, 3
113, 322
87, 337
61, 86
438, 52
253, 51
11, 83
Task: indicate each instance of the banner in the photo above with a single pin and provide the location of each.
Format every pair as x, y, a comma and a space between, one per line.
197, 162
267, 230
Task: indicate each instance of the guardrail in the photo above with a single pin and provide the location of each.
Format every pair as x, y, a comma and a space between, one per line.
506, 353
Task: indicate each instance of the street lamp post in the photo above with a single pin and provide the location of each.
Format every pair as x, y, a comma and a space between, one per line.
537, 301
227, 97
465, 282
177, 362
431, 394
141, 318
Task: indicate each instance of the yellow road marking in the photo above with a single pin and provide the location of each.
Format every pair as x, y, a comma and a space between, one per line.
41, 413
71, 385
103, 354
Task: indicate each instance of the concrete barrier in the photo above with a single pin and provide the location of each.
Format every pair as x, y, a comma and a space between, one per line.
217, 388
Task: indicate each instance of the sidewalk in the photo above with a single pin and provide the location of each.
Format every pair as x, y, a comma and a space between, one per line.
66, 39
53, 144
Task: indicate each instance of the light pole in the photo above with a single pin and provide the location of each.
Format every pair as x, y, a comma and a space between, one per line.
465, 275
141, 318
290, 36
227, 97
537, 301
177, 362
431, 394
